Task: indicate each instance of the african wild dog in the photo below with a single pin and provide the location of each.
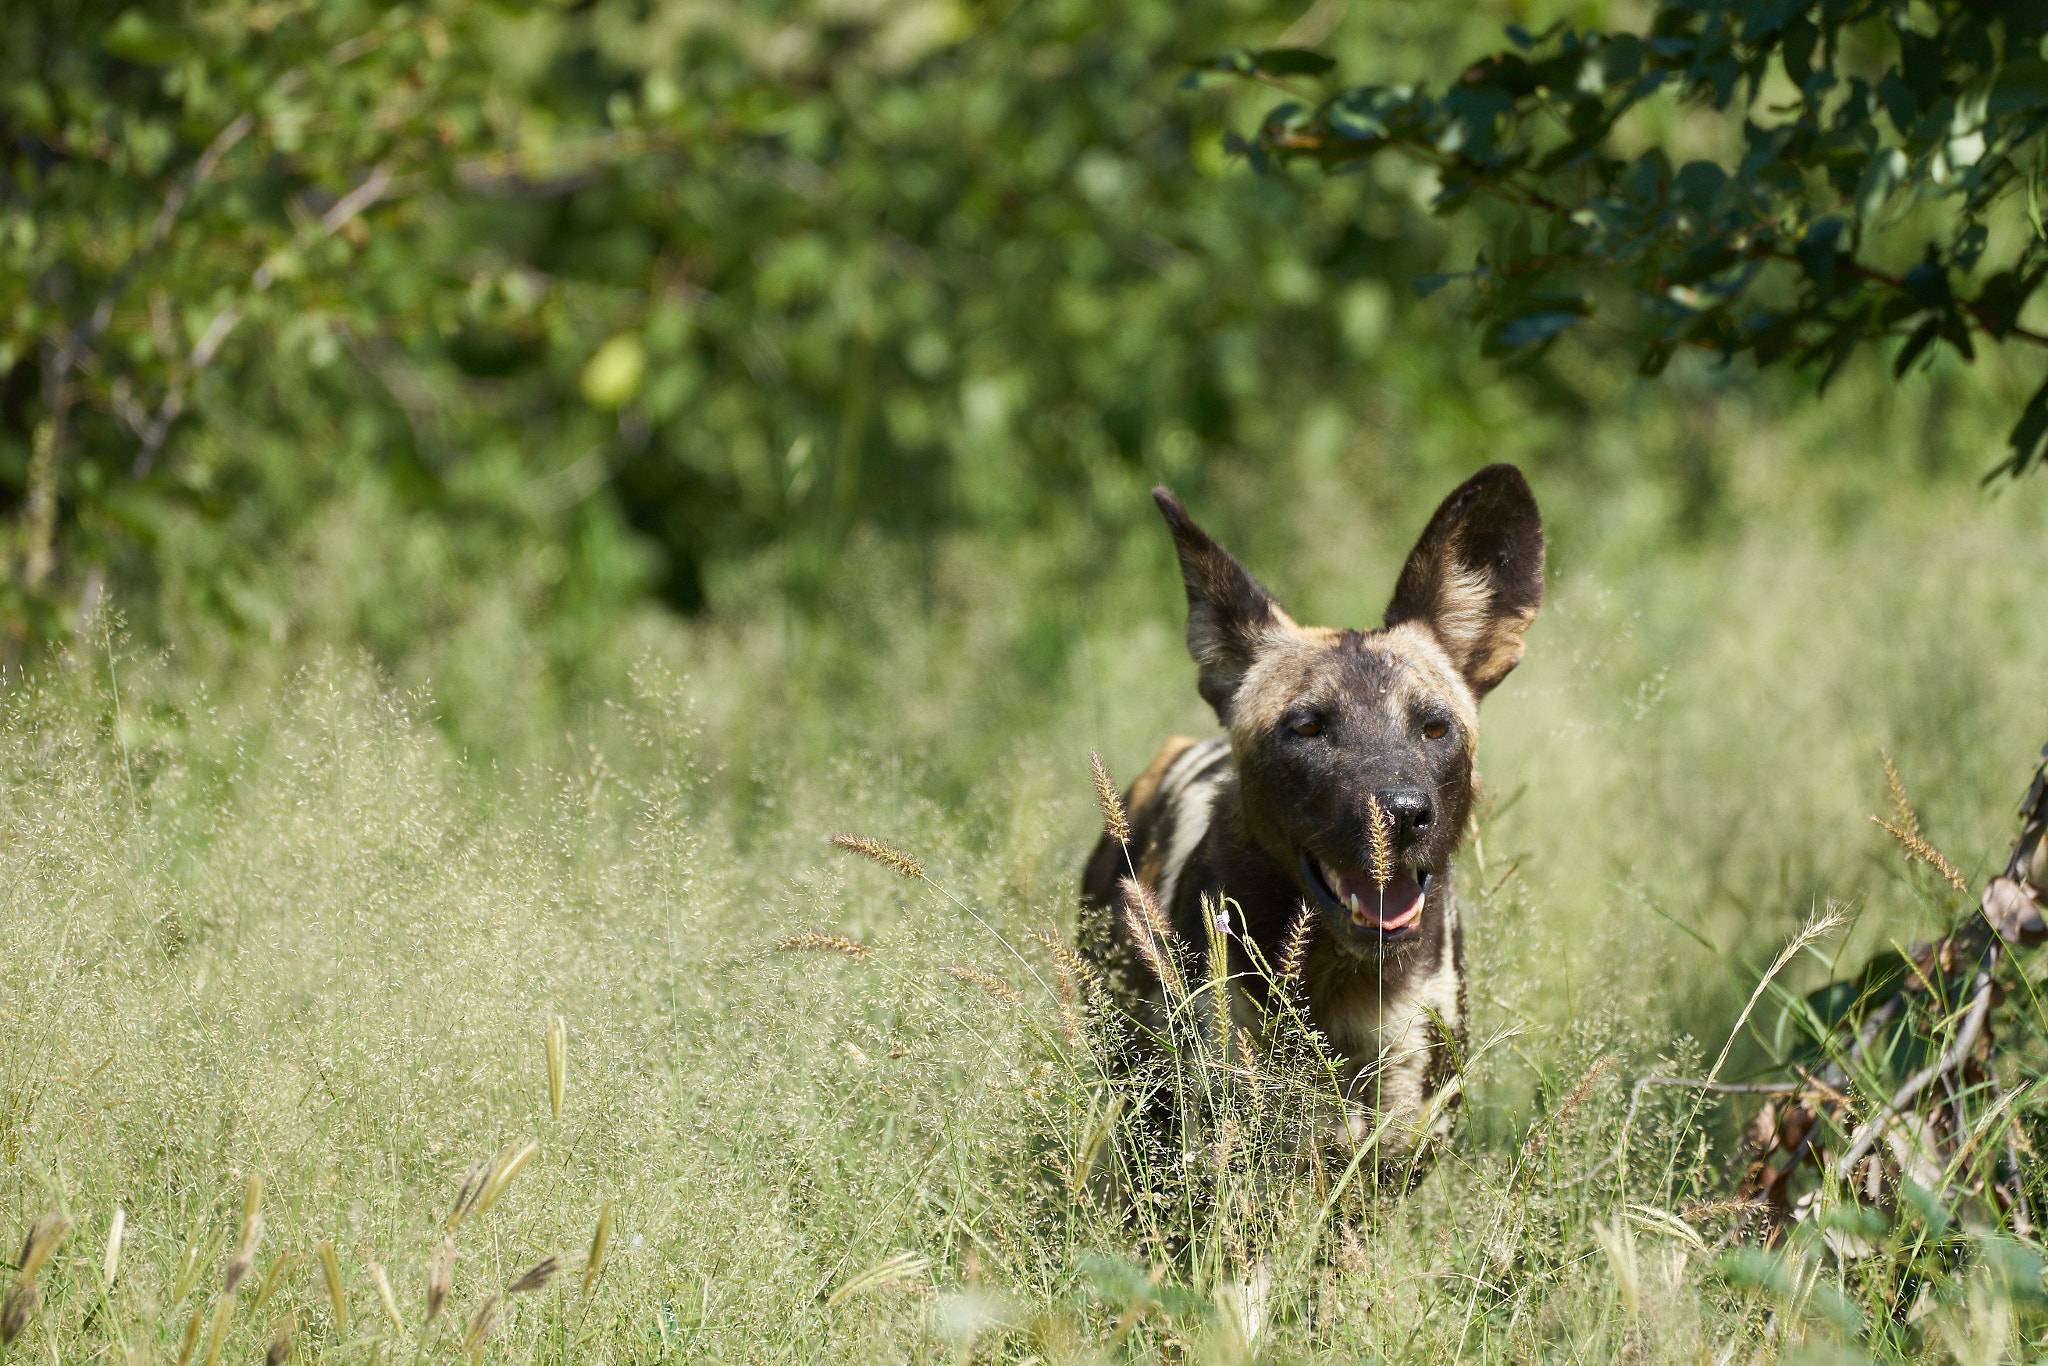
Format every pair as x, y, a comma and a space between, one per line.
1277, 814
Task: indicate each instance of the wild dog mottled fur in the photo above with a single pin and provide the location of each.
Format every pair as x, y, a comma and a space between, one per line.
1323, 727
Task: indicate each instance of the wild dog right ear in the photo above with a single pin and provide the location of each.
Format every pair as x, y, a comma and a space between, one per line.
1229, 613
1475, 576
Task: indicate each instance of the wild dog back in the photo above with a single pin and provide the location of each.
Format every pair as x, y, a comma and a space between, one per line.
1334, 802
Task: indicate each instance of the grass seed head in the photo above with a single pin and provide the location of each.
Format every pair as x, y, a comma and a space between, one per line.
833, 943
1066, 976
1917, 847
280, 1349
244, 1260
386, 1298
217, 1332
440, 1277
111, 1263
895, 860
1113, 818
535, 1277
473, 1182
188, 1341
1902, 810
1149, 931
480, 1326
1562, 1116
337, 1297
45, 1236
502, 1177
1382, 841
281, 1269
987, 981
557, 1045
599, 1242
895, 1271
17, 1309
1294, 952
251, 1233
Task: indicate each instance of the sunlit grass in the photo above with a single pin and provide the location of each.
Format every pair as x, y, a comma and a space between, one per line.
825, 1109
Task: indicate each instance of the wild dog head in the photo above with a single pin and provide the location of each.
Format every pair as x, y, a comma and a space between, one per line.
1354, 749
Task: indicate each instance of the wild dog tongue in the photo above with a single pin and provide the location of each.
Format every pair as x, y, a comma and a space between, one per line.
1372, 906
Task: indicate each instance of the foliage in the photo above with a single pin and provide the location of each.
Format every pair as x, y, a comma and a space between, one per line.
623, 279
1886, 185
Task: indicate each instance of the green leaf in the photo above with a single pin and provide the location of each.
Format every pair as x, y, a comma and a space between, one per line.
1291, 61
1922, 336
2027, 433
135, 37
1881, 175
614, 374
1533, 328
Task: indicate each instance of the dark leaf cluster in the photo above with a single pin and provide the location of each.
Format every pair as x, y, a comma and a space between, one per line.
1885, 186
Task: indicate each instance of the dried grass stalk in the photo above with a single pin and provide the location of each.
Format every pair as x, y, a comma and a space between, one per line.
1113, 818
895, 860
833, 943
987, 981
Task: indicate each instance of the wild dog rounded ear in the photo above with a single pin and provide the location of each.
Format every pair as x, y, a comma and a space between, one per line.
1475, 576
1229, 612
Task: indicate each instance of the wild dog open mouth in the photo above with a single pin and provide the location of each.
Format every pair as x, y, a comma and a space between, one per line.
1388, 909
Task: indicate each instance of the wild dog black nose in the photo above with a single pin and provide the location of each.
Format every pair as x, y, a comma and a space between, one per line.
1409, 806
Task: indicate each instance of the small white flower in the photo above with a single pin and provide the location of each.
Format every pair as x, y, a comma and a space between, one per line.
1223, 919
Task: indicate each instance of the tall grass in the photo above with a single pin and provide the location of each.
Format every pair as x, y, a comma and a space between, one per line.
783, 1103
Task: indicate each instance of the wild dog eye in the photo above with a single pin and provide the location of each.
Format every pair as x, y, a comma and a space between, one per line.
1436, 730
1308, 727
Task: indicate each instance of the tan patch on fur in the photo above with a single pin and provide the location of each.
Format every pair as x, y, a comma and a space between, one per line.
1148, 782
1287, 656
1483, 640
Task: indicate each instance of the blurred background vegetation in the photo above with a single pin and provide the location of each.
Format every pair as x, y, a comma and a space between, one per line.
825, 350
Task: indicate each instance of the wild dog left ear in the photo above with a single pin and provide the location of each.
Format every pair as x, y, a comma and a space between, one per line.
1229, 612
1475, 577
